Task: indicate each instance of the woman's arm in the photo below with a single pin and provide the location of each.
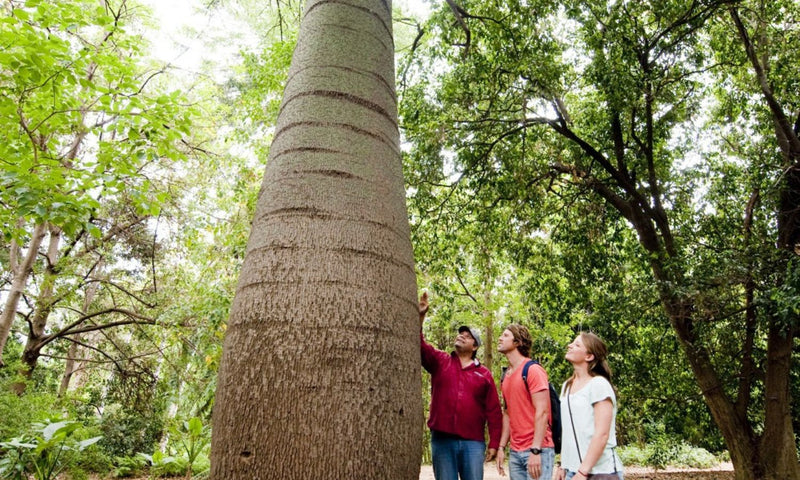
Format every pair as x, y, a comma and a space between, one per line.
603, 416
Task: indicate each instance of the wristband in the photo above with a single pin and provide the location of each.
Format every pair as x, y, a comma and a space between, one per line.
585, 475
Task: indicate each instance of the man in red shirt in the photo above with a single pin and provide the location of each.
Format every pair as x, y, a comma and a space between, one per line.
463, 400
526, 419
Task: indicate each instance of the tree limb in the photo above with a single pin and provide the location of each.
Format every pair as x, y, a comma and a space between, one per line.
71, 329
460, 13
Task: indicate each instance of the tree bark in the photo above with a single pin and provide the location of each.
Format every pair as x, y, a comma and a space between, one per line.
488, 315
42, 309
736, 430
21, 274
777, 458
777, 444
320, 375
72, 363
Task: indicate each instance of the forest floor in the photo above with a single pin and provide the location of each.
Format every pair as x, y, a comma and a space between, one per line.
723, 471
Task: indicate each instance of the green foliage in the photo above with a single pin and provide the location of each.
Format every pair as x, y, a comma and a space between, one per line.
92, 460
189, 440
194, 439
664, 454
18, 412
163, 465
65, 83
126, 467
530, 146
46, 451
500, 234
127, 433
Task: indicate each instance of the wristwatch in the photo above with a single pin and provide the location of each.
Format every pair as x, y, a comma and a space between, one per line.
536, 451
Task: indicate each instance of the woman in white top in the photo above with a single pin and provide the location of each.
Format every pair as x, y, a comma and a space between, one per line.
588, 413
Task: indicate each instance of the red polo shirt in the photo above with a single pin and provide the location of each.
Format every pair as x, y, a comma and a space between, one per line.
463, 400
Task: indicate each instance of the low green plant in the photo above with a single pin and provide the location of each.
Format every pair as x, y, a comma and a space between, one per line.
162, 464
128, 466
93, 460
194, 438
13, 465
633, 454
18, 412
695, 457
125, 433
76, 474
45, 452
660, 455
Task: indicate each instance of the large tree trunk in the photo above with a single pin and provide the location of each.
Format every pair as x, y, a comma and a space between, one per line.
778, 452
320, 375
771, 455
778, 449
21, 272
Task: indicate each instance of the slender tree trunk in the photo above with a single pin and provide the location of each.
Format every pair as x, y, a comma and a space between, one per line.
488, 317
21, 274
72, 363
43, 306
488, 332
70, 367
735, 430
320, 375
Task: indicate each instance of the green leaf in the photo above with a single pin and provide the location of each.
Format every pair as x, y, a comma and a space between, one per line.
195, 426
62, 428
86, 443
21, 14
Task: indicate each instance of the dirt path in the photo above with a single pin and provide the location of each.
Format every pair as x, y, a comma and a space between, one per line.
723, 471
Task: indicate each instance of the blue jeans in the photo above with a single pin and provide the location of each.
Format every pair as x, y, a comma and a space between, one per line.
571, 474
454, 456
518, 464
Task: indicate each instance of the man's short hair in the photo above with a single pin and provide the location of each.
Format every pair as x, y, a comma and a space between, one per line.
523, 338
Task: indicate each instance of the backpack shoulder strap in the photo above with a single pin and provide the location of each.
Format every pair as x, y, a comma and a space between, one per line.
525, 372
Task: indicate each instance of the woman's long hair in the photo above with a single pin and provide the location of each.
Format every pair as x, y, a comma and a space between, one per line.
599, 365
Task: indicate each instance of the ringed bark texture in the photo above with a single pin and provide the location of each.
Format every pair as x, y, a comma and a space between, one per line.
320, 375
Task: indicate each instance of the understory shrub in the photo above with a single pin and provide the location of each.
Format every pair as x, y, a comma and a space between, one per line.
126, 434
45, 451
18, 411
662, 455
129, 466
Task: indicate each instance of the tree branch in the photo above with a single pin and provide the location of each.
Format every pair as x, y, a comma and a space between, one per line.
460, 13
71, 329
466, 290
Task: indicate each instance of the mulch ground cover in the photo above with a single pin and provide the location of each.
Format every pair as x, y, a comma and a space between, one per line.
704, 475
